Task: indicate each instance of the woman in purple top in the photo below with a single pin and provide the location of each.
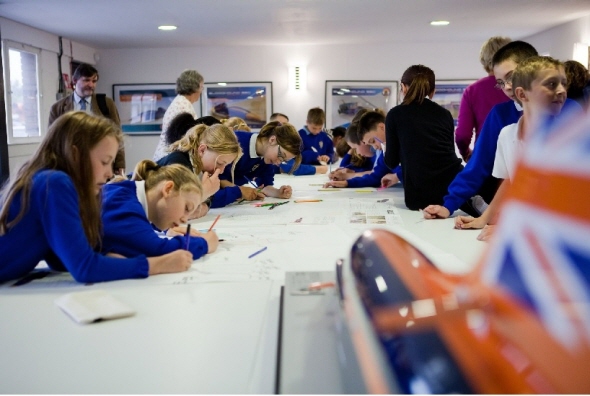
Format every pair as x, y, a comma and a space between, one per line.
479, 98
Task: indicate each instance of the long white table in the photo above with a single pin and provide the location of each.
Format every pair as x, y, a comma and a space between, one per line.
213, 329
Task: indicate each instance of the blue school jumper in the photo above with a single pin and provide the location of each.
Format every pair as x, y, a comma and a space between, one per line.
250, 165
368, 164
128, 231
373, 179
223, 196
322, 142
51, 230
468, 182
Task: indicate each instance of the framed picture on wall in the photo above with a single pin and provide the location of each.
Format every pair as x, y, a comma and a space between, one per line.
142, 106
345, 98
448, 94
251, 101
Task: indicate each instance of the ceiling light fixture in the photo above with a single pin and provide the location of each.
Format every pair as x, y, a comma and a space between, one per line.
167, 27
439, 23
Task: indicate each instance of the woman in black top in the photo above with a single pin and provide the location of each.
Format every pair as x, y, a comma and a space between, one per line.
420, 135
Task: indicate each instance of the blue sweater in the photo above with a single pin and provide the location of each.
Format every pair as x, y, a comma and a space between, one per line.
368, 163
468, 182
321, 142
373, 179
128, 231
249, 165
223, 196
51, 230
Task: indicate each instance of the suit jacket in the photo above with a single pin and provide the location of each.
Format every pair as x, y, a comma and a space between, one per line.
67, 104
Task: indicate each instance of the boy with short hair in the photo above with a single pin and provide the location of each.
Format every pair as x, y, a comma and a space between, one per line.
317, 144
470, 180
539, 86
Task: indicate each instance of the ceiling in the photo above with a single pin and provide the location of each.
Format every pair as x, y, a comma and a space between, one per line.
106, 24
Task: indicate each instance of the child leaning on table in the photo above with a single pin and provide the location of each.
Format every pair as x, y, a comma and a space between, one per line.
157, 197
318, 147
539, 84
51, 209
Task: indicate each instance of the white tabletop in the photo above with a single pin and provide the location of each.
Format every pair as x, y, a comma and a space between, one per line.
212, 329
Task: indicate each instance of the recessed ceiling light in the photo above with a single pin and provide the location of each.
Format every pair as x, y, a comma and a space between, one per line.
167, 27
439, 23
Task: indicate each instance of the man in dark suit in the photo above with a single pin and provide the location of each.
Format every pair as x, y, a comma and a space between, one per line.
83, 98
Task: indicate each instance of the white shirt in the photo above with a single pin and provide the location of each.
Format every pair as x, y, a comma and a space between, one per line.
507, 152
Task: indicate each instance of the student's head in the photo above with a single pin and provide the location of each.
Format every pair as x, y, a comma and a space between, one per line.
352, 135
190, 84
278, 143
82, 146
178, 127
280, 117
417, 83
337, 134
342, 148
84, 79
577, 79
209, 147
489, 49
316, 118
207, 120
505, 61
173, 193
237, 124
371, 129
539, 84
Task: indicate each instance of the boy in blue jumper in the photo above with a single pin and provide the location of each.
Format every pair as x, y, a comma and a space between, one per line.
318, 147
479, 168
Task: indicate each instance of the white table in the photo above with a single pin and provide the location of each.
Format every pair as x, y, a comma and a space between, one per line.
204, 337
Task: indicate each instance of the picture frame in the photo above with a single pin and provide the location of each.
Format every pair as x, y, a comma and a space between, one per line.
142, 106
448, 94
251, 101
345, 97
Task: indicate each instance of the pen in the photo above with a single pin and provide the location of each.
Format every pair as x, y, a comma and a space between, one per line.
187, 236
213, 225
307, 200
257, 252
253, 184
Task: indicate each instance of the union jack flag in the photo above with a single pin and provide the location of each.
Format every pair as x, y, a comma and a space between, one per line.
540, 253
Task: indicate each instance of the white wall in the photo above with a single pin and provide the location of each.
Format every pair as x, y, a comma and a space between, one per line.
559, 41
270, 63
49, 82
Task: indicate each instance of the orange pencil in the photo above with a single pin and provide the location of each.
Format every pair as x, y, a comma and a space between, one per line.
213, 225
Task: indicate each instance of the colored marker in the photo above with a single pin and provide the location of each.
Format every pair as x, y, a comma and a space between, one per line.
307, 200
187, 236
258, 252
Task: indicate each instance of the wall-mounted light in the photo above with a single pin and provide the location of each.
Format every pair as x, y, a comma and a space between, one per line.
297, 78
581, 53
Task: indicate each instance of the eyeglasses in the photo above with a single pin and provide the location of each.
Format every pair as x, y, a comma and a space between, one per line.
500, 84
280, 155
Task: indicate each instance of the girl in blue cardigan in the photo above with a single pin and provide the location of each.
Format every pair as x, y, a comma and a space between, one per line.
51, 210
274, 144
208, 150
159, 198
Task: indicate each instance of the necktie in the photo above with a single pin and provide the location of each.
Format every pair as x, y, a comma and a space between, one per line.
83, 104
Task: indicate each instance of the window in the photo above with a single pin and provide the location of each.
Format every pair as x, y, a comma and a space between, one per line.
21, 76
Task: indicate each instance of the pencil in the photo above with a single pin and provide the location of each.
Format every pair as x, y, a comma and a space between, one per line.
187, 236
213, 225
257, 252
253, 184
307, 200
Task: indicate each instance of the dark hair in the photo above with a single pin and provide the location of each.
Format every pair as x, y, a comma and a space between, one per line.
178, 127
577, 79
342, 148
273, 116
351, 134
338, 131
516, 51
368, 122
420, 82
316, 116
207, 120
84, 70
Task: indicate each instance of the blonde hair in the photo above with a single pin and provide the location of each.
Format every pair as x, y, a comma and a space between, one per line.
489, 48
528, 70
180, 175
65, 148
236, 124
287, 137
218, 138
